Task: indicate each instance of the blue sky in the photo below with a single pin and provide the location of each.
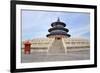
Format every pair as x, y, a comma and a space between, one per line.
35, 24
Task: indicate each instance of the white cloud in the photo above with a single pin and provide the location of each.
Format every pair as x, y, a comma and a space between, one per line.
79, 31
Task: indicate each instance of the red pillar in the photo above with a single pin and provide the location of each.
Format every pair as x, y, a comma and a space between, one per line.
27, 47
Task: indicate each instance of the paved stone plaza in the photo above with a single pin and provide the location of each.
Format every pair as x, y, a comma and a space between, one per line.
44, 57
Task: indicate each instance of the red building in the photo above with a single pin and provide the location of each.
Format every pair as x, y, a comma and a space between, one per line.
27, 47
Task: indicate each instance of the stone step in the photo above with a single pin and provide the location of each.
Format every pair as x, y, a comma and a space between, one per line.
57, 47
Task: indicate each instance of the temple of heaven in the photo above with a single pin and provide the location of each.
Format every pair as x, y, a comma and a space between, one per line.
58, 30
58, 46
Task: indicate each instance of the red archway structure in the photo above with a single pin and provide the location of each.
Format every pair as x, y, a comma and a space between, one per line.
27, 47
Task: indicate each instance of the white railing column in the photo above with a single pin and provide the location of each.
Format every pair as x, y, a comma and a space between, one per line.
50, 45
64, 45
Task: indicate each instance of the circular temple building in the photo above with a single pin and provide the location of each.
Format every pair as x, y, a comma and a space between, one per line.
58, 42
58, 30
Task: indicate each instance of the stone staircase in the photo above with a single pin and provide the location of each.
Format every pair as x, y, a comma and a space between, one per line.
57, 47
